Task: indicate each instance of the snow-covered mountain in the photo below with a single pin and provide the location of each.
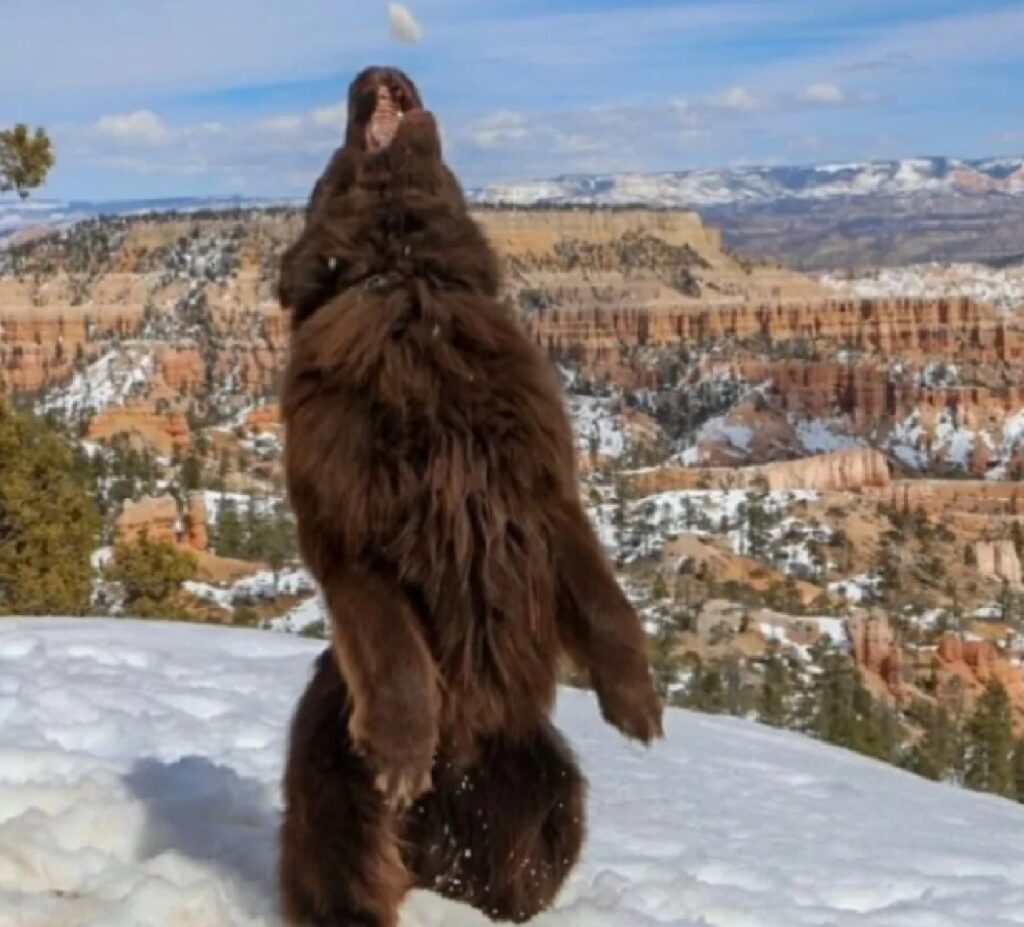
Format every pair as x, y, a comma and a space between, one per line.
767, 185
139, 768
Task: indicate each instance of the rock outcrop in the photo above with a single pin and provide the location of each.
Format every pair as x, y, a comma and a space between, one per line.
975, 664
264, 418
539, 231
842, 471
164, 432
948, 328
866, 392
876, 650
155, 518
983, 497
998, 560
182, 369
196, 532
43, 335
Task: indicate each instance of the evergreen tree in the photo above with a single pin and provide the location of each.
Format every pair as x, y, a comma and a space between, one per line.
775, 692
229, 538
48, 521
665, 664
150, 573
253, 530
25, 159
757, 524
989, 744
1017, 764
620, 517
192, 473
935, 755
842, 711
705, 691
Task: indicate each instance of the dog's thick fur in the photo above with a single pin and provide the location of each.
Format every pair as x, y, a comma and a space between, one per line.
431, 467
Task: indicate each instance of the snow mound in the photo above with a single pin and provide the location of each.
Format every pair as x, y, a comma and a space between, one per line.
139, 768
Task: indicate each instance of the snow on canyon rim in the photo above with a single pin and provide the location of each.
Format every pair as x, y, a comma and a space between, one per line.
139, 769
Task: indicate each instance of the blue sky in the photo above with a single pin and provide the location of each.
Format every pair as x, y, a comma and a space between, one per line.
175, 97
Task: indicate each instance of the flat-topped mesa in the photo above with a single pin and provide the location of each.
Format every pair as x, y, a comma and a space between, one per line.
842, 471
536, 232
949, 328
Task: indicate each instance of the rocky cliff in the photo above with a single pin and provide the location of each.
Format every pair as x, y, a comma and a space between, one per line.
944, 328
158, 519
842, 471
970, 496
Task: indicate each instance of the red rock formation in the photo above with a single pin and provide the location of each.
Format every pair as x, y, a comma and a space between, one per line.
998, 559
166, 432
842, 471
876, 650
196, 533
953, 328
264, 418
865, 393
156, 518
182, 369
976, 663
987, 497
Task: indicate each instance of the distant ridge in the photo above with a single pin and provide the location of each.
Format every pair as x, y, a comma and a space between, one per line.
21, 215
736, 186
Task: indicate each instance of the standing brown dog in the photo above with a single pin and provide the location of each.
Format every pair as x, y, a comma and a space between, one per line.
431, 467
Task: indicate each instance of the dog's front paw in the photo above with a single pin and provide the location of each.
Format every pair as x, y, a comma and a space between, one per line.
400, 782
633, 707
400, 757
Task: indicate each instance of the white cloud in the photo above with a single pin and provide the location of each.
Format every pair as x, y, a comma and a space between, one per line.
288, 124
579, 143
335, 116
824, 94
500, 128
160, 166
739, 99
272, 154
142, 127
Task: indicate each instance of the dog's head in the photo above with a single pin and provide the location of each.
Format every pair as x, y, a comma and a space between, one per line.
378, 100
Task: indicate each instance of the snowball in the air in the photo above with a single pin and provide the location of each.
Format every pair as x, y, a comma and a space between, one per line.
404, 27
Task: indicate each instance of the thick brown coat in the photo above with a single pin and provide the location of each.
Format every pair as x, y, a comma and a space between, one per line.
430, 464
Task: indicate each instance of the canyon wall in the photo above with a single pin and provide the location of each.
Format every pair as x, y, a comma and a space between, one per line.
866, 392
944, 328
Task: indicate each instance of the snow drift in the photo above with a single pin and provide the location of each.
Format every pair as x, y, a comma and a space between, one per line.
139, 767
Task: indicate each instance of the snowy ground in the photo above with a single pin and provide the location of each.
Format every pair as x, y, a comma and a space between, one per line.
138, 788
111, 380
